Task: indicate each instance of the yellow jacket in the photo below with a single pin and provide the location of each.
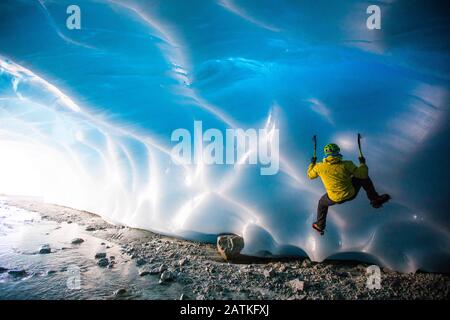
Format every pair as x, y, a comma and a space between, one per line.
336, 175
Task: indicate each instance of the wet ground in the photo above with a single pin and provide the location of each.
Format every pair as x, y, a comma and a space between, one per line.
38, 260
69, 271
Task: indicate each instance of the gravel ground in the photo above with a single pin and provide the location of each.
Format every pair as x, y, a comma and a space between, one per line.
205, 275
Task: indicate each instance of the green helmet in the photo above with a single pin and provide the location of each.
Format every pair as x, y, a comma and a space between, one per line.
331, 149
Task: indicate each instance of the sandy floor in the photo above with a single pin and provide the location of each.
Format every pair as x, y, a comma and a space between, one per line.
152, 266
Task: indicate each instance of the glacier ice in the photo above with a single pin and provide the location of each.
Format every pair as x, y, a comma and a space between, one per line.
86, 117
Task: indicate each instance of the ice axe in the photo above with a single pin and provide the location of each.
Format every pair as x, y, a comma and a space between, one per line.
359, 144
361, 157
314, 158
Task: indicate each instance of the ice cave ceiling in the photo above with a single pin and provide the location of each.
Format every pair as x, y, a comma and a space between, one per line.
86, 117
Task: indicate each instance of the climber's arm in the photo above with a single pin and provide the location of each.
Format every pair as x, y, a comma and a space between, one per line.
313, 171
360, 172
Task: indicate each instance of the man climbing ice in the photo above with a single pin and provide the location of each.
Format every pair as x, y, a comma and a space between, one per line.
342, 180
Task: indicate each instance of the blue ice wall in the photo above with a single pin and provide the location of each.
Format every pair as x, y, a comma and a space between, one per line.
86, 117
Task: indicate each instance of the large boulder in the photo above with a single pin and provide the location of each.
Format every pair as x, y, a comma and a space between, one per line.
230, 246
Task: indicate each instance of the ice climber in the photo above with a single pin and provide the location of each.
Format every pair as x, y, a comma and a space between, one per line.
342, 180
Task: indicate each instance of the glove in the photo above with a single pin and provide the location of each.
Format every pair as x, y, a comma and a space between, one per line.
313, 160
362, 160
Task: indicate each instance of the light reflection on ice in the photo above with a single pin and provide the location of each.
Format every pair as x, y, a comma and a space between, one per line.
86, 121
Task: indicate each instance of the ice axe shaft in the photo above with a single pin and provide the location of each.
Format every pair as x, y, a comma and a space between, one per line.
359, 145
315, 146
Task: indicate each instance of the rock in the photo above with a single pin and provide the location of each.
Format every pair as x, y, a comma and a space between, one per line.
183, 261
184, 297
296, 285
100, 255
144, 272
120, 292
17, 273
343, 274
90, 228
103, 262
362, 267
396, 283
140, 262
2, 270
306, 263
162, 268
77, 241
230, 246
154, 271
45, 249
166, 276
297, 297
269, 273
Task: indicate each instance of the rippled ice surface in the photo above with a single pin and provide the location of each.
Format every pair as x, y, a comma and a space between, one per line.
95, 109
23, 232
